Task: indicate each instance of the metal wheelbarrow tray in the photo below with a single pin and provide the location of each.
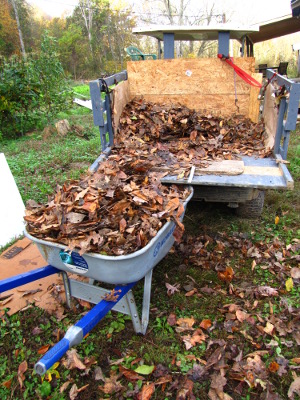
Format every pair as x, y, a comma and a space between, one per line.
110, 269
124, 271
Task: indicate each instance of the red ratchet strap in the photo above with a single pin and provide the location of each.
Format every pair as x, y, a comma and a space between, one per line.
246, 77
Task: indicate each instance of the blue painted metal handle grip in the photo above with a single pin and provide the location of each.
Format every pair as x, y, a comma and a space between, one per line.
52, 356
76, 333
31, 276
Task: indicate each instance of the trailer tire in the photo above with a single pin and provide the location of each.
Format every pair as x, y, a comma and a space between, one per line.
252, 209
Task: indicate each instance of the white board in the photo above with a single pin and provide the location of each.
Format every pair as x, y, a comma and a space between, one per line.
84, 103
12, 207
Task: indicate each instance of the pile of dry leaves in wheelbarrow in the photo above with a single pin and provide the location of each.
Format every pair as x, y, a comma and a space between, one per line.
120, 207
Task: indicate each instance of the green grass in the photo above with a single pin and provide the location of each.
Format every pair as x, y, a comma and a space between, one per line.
82, 91
39, 163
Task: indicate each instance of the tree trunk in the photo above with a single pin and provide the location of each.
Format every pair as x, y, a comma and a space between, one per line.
87, 14
19, 28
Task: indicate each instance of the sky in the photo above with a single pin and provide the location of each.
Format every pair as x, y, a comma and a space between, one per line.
245, 11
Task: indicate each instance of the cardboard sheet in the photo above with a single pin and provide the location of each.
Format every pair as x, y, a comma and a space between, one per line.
47, 293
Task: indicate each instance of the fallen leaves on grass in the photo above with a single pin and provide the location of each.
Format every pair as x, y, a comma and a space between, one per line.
43, 349
21, 371
171, 289
147, 391
226, 275
72, 360
112, 384
75, 391
294, 388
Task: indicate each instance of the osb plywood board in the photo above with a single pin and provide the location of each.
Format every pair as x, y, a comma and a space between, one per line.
225, 167
270, 115
253, 101
120, 98
221, 105
203, 83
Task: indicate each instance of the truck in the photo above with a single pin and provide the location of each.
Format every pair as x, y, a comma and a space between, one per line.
221, 85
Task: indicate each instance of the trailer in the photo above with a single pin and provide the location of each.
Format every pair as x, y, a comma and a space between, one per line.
223, 86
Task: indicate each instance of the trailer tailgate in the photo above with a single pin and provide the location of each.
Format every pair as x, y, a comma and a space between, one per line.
259, 173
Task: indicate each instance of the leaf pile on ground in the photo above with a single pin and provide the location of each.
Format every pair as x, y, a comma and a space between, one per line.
246, 347
176, 136
114, 211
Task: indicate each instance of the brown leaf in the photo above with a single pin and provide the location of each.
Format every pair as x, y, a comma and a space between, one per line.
294, 388
295, 273
193, 135
43, 349
64, 386
171, 319
226, 275
273, 367
21, 370
218, 382
197, 337
74, 218
171, 289
99, 374
72, 360
111, 385
73, 392
269, 328
113, 295
7, 384
122, 225
185, 324
205, 324
147, 391
186, 390
267, 291
129, 374
172, 205
241, 315
28, 292
84, 303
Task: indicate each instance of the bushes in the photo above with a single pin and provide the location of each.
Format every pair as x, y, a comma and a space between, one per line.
33, 91
19, 97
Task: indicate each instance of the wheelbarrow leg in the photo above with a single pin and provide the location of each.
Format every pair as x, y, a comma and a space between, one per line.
146, 301
76, 333
67, 288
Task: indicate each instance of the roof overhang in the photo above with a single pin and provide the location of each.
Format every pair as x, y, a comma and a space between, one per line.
295, 4
282, 27
184, 32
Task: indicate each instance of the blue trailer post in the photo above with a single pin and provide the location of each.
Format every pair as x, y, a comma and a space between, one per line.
76, 333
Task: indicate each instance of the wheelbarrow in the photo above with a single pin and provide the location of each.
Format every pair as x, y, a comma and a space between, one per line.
123, 271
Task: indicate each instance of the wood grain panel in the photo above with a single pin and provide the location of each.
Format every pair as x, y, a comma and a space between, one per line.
121, 96
201, 84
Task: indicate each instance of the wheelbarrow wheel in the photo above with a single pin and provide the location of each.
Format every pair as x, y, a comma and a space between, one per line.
252, 209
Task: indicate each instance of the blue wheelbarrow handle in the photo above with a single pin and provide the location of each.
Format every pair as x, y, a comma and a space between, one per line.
27, 277
76, 333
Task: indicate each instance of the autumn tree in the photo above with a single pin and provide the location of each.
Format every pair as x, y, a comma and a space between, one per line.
15, 7
8, 30
105, 32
